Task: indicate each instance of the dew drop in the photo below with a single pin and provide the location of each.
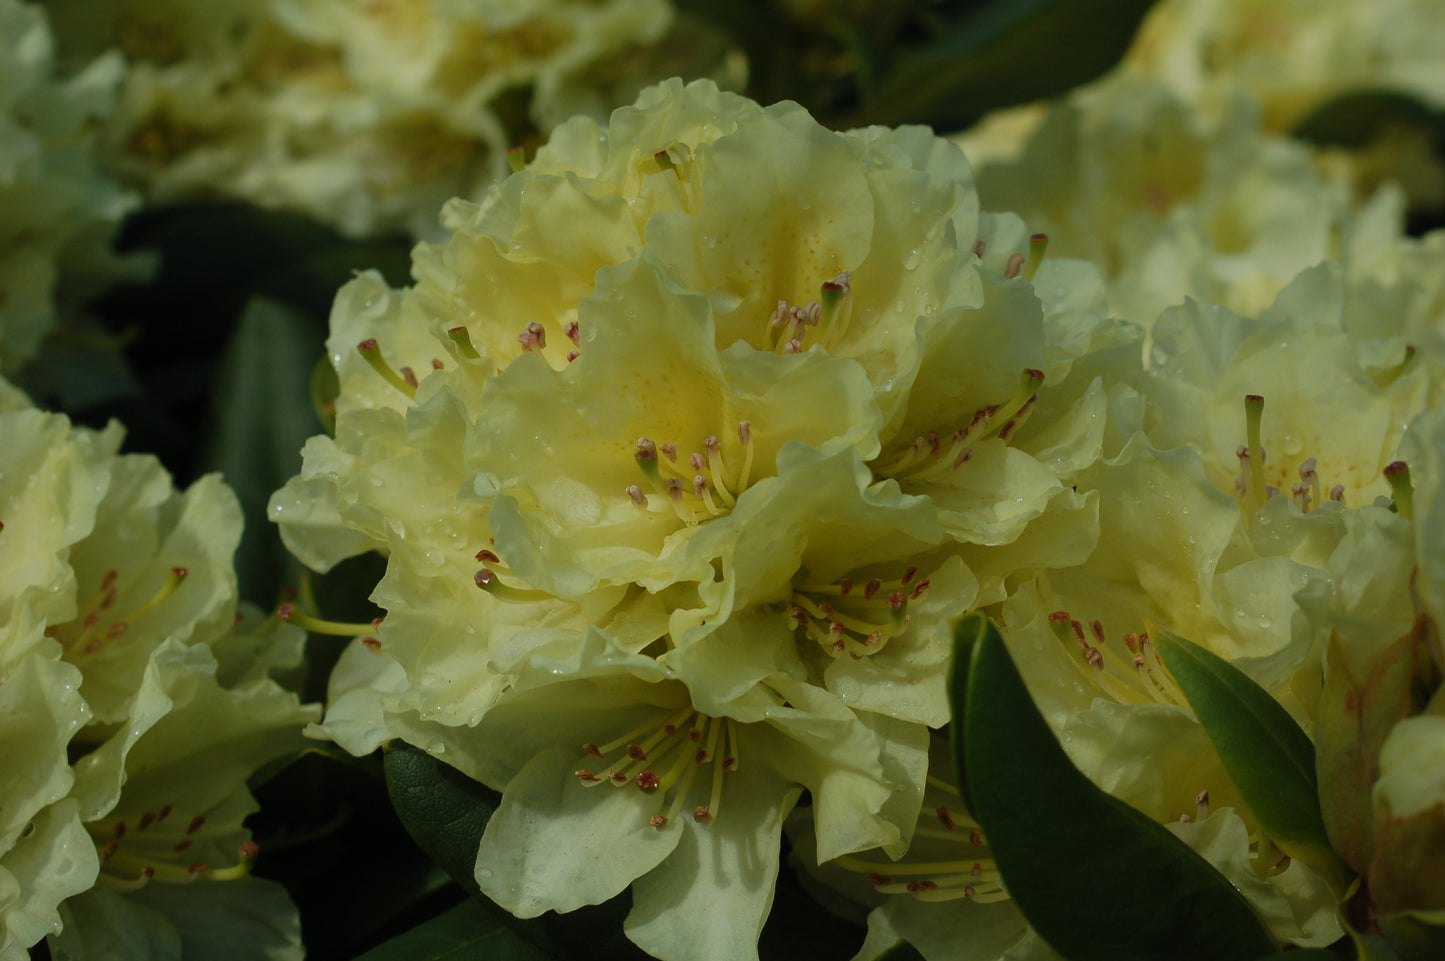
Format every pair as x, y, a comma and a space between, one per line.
435, 558
709, 241
1265, 622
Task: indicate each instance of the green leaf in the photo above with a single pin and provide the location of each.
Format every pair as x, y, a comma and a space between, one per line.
901, 951
1097, 880
443, 810
261, 415
1361, 116
1004, 52
468, 932
1266, 754
967, 635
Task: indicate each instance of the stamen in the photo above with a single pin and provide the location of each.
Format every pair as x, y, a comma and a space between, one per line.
292, 614
979, 246
1398, 474
1308, 475
517, 158
1014, 266
488, 581
833, 296
717, 468
745, 435
573, 332
177, 575
533, 336
1253, 414
372, 353
1038, 244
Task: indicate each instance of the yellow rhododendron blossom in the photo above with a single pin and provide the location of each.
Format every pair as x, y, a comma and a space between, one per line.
1291, 56
1256, 514
366, 115
676, 449
57, 210
135, 704
1126, 175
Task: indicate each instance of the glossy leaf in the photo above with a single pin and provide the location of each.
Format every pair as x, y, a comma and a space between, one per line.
443, 810
468, 932
261, 415
901, 951
1096, 879
1003, 53
1268, 757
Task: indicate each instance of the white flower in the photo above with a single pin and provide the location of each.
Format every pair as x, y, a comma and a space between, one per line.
120, 649
57, 210
720, 402
366, 115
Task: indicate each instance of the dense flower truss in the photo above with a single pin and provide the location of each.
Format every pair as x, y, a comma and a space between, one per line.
1253, 515
366, 114
57, 211
1250, 515
1292, 56
1127, 175
134, 703
677, 447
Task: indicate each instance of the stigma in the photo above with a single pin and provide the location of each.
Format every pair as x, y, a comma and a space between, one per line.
932, 458
855, 617
669, 757
158, 846
704, 484
1133, 675
102, 623
953, 862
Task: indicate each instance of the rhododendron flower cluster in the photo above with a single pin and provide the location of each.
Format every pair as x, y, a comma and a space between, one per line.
703, 425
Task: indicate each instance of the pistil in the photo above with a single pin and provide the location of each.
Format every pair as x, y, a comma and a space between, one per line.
405, 381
